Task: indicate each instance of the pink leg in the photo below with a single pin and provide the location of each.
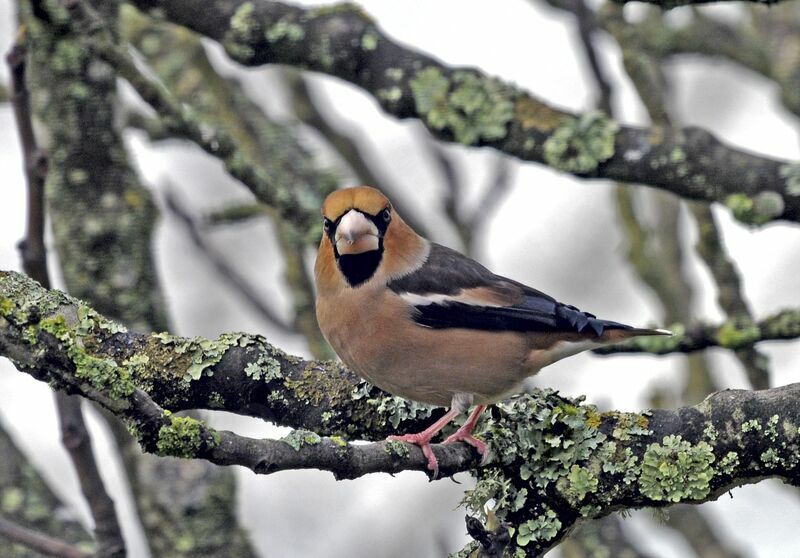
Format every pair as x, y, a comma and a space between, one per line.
465, 433
423, 439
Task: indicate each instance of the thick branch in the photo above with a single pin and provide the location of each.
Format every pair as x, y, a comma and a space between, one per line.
75, 438
463, 105
555, 460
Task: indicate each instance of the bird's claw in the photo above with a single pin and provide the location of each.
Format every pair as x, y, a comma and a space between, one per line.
479, 445
424, 443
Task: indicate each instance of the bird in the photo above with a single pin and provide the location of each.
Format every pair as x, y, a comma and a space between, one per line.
424, 322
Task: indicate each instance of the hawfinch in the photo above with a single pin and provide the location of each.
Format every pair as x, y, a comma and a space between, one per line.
424, 322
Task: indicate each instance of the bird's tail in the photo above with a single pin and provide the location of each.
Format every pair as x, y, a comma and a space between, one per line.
615, 335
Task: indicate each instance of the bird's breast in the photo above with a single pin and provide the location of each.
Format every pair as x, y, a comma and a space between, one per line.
374, 333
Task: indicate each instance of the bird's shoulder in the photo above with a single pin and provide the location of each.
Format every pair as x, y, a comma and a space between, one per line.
447, 275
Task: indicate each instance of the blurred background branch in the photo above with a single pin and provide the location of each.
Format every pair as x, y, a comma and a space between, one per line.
524, 127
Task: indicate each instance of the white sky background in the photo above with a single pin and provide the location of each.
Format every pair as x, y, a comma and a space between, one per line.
552, 231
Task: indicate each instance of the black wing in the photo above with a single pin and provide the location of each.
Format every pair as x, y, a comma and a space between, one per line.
451, 290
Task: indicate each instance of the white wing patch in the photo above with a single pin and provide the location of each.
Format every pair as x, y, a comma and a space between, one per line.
426, 299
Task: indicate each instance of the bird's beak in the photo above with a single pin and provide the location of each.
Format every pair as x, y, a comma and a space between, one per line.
356, 234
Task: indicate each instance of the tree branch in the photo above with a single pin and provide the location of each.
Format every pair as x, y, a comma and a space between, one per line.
555, 460
32, 249
76, 440
730, 294
463, 105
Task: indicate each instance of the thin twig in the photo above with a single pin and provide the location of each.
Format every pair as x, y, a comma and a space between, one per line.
586, 28
225, 270
32, 248
44, 544
498, 185
730, 294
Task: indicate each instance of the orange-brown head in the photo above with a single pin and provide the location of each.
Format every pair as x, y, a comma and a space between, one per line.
363, 238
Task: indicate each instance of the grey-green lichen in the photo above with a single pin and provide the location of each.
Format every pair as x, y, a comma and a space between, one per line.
580, 144
11, 500
103, 374
391, 409
243, 22
471, 107
771, 431
771, 458
577, 484
243, 30
710, 432
183, 437
299, 438
369, 41
543, 528
395, 74
729, 462
619, 461
216, 401
751, 425
552, 446
285, 28
676, 470
791, 173
790, 430
394, 447
203, 353
390, 94
264, 367
757, 210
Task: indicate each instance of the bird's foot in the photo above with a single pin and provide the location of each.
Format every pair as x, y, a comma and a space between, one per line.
424, 442
464, 435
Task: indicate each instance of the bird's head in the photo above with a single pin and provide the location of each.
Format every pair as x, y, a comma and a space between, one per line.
362, 233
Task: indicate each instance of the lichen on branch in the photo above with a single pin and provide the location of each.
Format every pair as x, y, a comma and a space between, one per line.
555, 460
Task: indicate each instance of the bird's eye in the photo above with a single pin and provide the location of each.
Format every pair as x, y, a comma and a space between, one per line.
326, 224
387, 215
